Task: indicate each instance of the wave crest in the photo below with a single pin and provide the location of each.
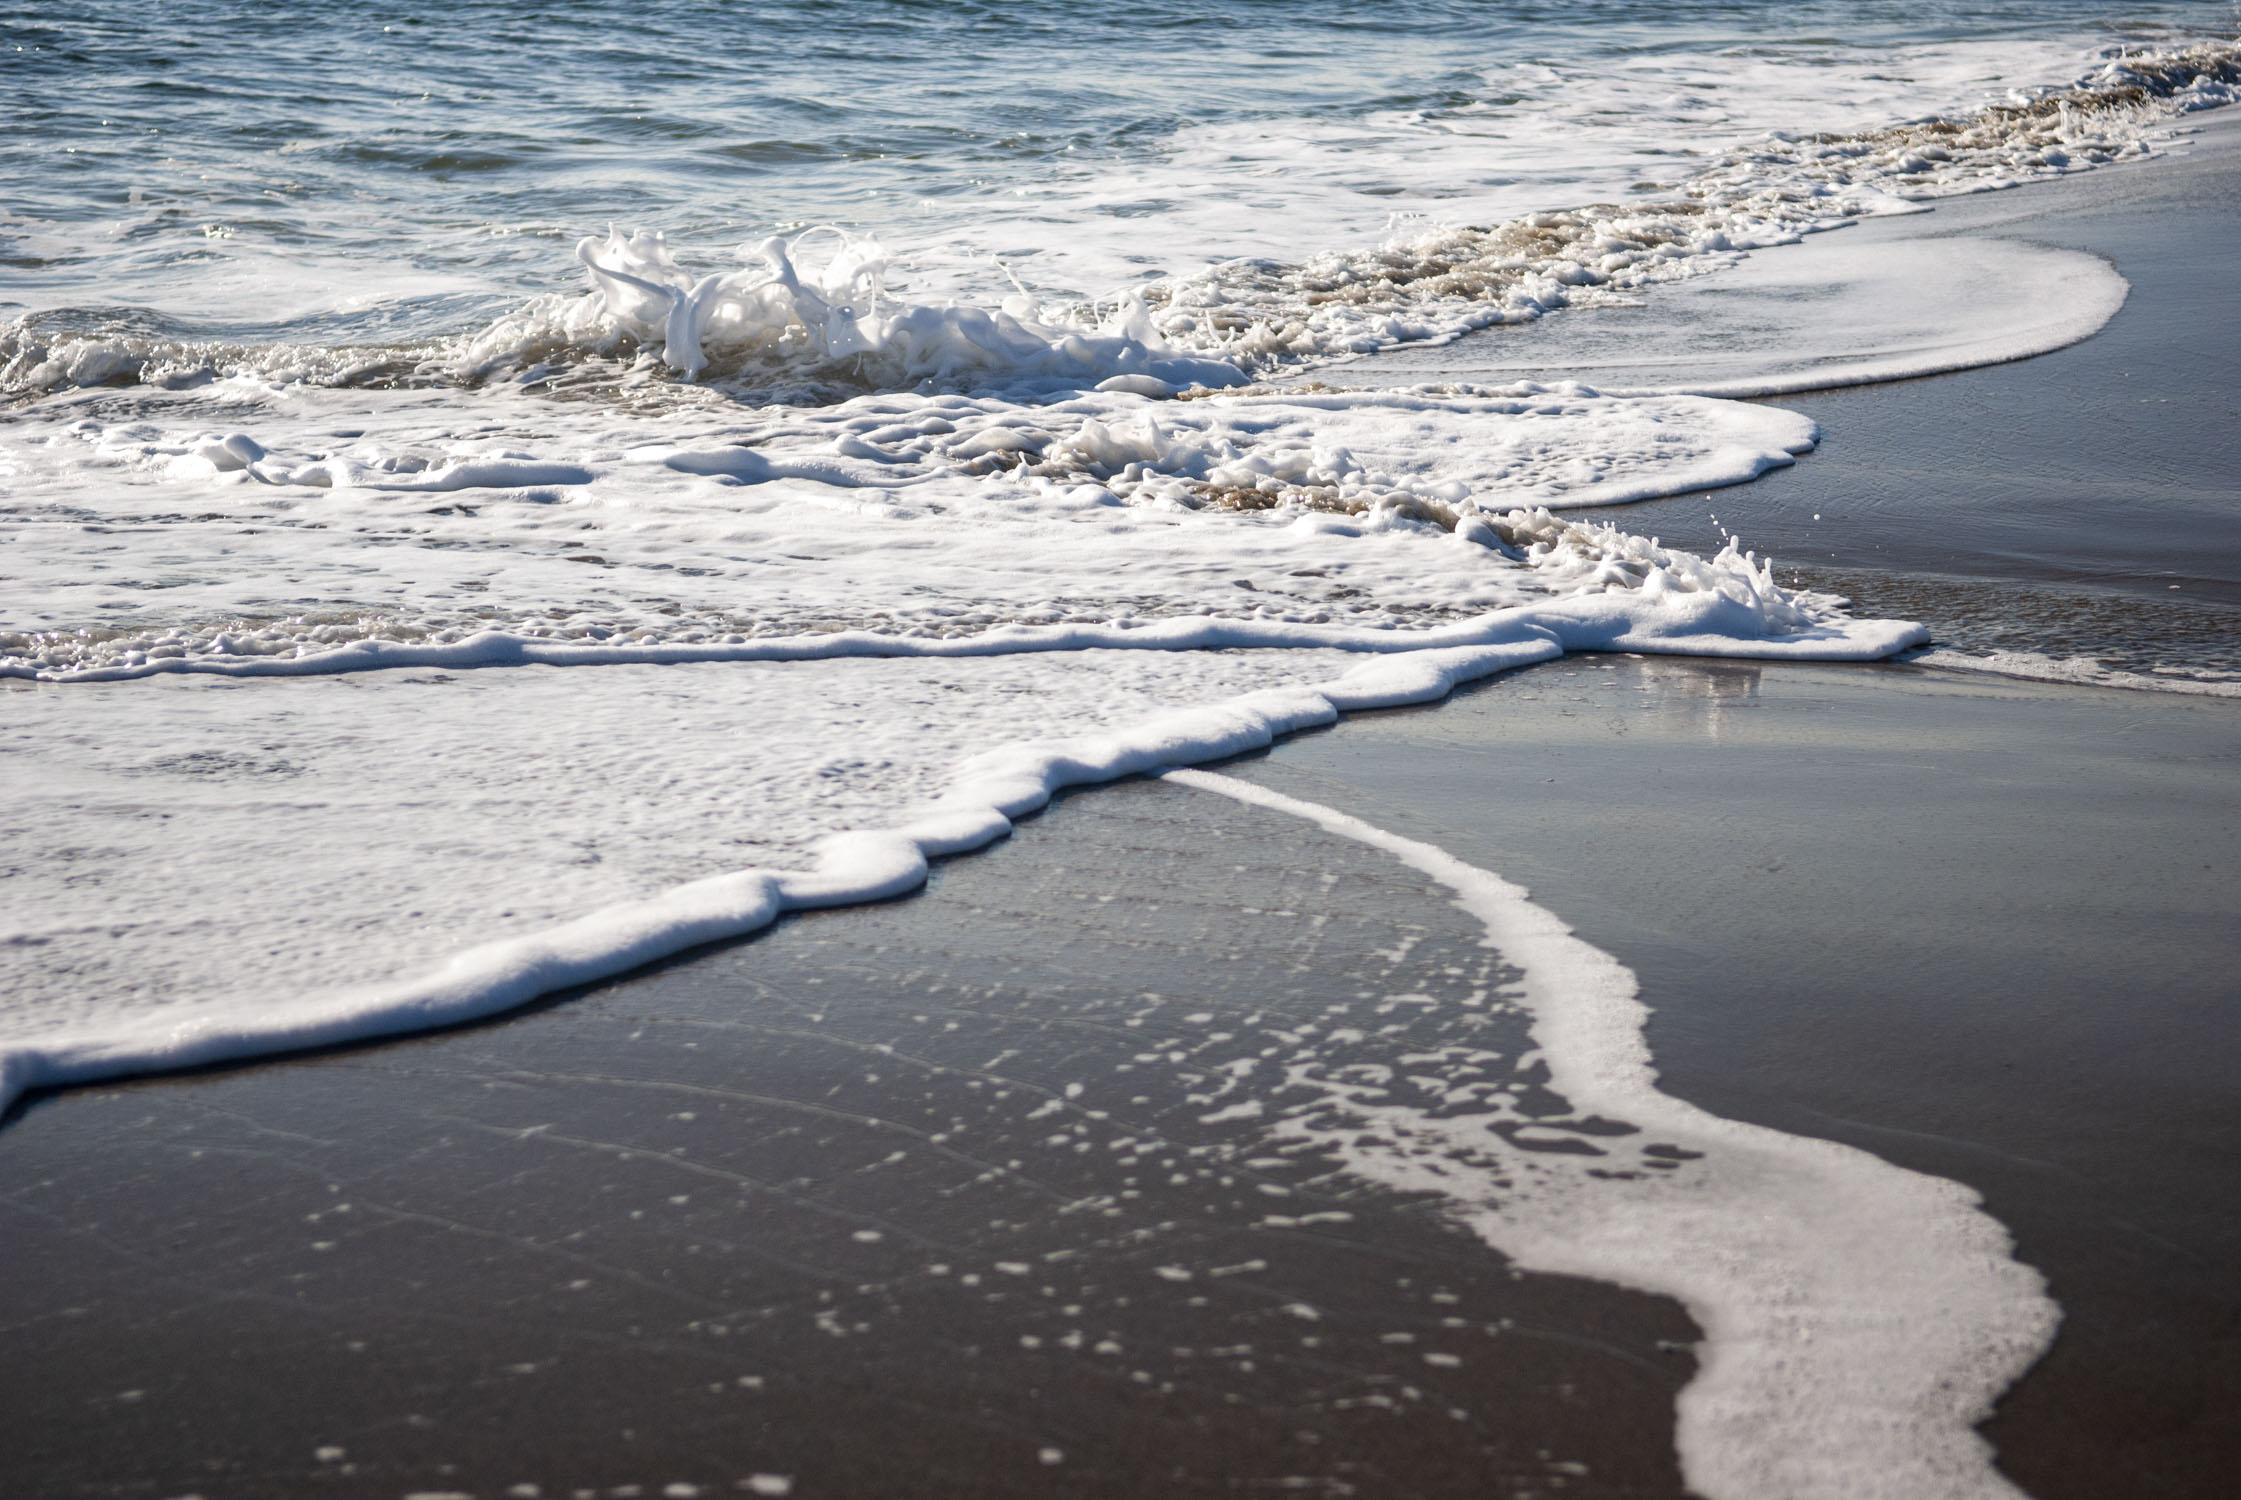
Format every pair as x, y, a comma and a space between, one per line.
807, 319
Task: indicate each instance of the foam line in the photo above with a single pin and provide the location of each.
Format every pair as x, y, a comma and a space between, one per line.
2076, 671
1859, 1319
1706, 623
989, 791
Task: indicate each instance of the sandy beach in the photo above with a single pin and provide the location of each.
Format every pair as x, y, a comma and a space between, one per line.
926, 1198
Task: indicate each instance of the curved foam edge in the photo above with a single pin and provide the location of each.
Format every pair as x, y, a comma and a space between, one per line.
989, 791
1951, 316
1859, 1318
2087, 318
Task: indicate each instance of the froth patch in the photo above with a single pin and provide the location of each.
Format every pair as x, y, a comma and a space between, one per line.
1309, 515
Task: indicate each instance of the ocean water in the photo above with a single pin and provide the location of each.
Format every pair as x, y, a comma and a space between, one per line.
494, 495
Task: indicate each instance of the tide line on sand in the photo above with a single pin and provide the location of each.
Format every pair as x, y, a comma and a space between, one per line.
1859, 1319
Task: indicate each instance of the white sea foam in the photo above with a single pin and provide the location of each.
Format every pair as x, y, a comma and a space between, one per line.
293, 866
914, 577
809, 323
1859, 1319
305, 571
234, 848
1559, 130
216, 891
782, 311
1066, 501
257, 529
1457, 278
1254, 314
1335, 513
1886, 301
2084, 671
298, 734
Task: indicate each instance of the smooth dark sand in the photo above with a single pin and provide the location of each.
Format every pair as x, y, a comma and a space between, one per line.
680, 1231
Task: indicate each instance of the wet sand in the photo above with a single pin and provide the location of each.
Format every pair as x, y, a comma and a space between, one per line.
823, 1209
1981, 928
893, 1200
2083, 502
920, 1199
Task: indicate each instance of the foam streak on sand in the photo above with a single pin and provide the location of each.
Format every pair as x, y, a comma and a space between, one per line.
2035, 666
1858, 1318
989, 791
418, 824
1694, 623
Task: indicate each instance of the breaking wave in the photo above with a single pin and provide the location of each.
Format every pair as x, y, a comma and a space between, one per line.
806, 319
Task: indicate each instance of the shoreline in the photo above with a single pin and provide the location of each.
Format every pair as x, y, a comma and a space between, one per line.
1973, 925
482, 1163
493, 978
2103, 524
2102, 528
249, 1259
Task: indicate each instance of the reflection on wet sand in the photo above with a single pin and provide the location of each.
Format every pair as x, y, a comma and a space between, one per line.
1696, 695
